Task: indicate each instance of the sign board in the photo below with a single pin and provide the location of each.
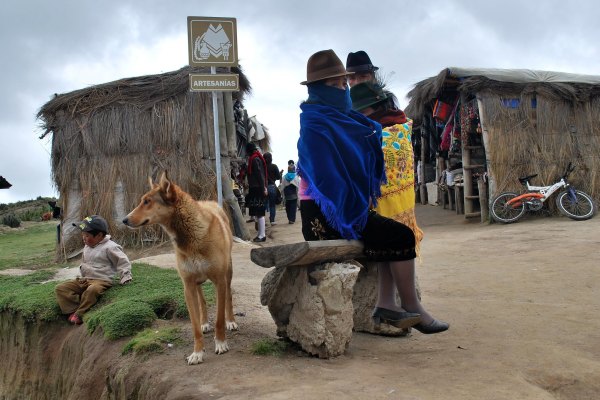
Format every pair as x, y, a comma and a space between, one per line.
212, 41
214, 82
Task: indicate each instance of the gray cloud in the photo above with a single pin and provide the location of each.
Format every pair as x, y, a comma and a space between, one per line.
55, 47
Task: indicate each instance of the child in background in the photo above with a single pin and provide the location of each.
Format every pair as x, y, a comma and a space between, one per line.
102, 260
290, 184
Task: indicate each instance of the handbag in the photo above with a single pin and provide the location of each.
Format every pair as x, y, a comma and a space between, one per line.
278, 198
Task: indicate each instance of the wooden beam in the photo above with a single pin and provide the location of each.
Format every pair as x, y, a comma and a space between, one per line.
306, 253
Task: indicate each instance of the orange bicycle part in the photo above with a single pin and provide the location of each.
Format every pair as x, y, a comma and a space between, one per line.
518, 201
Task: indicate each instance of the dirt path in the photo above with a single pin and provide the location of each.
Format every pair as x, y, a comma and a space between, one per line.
522, 301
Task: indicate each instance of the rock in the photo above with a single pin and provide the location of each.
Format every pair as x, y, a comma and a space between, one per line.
312, 306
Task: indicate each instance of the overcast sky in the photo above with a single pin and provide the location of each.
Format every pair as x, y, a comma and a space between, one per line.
59, 46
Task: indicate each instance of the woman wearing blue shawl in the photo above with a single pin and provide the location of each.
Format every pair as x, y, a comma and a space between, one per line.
341, 166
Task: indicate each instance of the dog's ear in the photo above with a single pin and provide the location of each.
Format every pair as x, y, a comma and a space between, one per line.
152, 184
167, 189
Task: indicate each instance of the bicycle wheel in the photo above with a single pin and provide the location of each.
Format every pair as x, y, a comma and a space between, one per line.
506, 213
579, 207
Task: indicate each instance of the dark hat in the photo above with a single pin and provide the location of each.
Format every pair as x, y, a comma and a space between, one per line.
250, 148
367, 94
359, 62
92, 223
324, 64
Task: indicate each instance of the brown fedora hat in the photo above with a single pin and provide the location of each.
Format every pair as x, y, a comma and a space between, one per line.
324, 64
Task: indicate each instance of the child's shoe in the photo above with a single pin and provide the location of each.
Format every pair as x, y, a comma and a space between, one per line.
75, 319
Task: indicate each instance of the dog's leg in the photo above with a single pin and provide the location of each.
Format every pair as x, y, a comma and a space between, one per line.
230, 323
191, 300
203, 310
220, 342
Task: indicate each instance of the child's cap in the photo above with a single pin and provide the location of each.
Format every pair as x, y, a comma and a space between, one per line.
93, 223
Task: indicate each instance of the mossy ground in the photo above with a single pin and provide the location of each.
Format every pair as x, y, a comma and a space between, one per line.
122, 311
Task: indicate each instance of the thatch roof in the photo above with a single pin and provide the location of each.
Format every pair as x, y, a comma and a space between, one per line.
142, 92
503, 82
108, 139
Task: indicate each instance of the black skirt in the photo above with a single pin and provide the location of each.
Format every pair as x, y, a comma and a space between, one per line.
255, 201
384, 238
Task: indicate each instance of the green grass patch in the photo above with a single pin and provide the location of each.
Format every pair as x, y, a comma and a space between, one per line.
32, 247
121, 311
27, 296
269, 347
153, 293
153, 340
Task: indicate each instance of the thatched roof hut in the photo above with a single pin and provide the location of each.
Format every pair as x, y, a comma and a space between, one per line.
108, 139
531, 122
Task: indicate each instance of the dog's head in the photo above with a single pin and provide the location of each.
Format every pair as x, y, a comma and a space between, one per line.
156, 205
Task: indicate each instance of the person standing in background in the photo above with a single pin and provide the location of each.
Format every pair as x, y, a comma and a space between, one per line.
257, 189
273, 175
290, 183
363, 68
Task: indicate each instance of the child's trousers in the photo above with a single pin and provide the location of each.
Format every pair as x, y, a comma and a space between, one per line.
78, 295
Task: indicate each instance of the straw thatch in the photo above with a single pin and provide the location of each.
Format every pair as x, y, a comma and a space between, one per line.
108, 139
554, 123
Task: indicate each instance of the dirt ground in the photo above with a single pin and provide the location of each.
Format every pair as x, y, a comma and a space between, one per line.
522, 301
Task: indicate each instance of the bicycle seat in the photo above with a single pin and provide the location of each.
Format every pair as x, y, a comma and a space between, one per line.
526, 178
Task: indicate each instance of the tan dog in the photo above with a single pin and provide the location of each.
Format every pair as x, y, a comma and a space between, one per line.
202, 239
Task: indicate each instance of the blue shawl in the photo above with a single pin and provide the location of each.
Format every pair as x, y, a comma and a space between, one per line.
341, 161
289, 176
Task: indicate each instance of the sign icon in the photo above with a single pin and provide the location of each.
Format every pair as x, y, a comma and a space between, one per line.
212, 41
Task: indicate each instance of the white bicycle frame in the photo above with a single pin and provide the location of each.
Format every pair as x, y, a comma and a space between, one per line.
546, 191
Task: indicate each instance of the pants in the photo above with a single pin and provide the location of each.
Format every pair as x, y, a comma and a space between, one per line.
272, 199
290, 209
79, 295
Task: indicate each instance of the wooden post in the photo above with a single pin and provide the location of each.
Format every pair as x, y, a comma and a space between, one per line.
230, 124
200, 105
439, 173
486, 148
467, 179
222, 125
459, 198
451, 197
230, 201
483, 199
211, 130
422, 187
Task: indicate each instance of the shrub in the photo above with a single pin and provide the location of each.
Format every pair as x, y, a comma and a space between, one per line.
11, 220
33, 214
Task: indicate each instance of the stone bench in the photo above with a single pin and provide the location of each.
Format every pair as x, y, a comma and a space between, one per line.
319, 292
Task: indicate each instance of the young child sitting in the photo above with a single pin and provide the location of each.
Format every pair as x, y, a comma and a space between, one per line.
102, 260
